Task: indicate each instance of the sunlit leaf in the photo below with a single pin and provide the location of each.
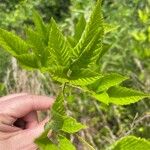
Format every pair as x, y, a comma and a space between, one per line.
124, 96
71, 125
131, 143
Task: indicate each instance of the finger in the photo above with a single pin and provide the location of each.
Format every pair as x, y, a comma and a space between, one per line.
31, 120
27, 122
4, 98
36, 132
20, 106
31, 134
6, 124
9, 129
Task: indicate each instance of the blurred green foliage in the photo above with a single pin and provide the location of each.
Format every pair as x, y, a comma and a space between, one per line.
2, 87
17, 14
141, 34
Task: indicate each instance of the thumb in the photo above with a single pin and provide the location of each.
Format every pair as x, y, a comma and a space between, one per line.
29, 135
39, 129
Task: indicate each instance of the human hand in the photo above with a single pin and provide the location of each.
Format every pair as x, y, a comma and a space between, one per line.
19, 124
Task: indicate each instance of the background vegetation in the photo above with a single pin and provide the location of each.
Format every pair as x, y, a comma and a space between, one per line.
129, 55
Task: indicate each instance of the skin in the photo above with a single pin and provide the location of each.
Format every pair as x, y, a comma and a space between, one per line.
19, 125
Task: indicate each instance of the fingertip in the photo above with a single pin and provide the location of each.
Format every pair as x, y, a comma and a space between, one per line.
41, 102
24, 104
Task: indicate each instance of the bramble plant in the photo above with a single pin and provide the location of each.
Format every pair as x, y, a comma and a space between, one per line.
72, 61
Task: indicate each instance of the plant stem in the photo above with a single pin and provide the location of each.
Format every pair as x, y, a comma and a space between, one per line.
85, 142
63, 88
65, 101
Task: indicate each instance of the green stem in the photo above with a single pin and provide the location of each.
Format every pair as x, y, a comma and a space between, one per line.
63, 92
63, 88
85, 142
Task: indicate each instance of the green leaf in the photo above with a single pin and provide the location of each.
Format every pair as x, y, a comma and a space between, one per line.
70, 125
58, 73
131, 143
83, 81
35, 39
124, 96
40, 27
72, 41
58, 105
12, 43
105, 49
65, 144
79, 28
44, 143
83, 77
90, 54
39, 38
29, 61
57, 121
94, 26
59, 47
102, 97
78, 77
57, 112
98, 88
107, 81
62, 79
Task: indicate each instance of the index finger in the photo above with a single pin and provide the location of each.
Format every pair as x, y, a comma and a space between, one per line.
4, 98
19, 106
